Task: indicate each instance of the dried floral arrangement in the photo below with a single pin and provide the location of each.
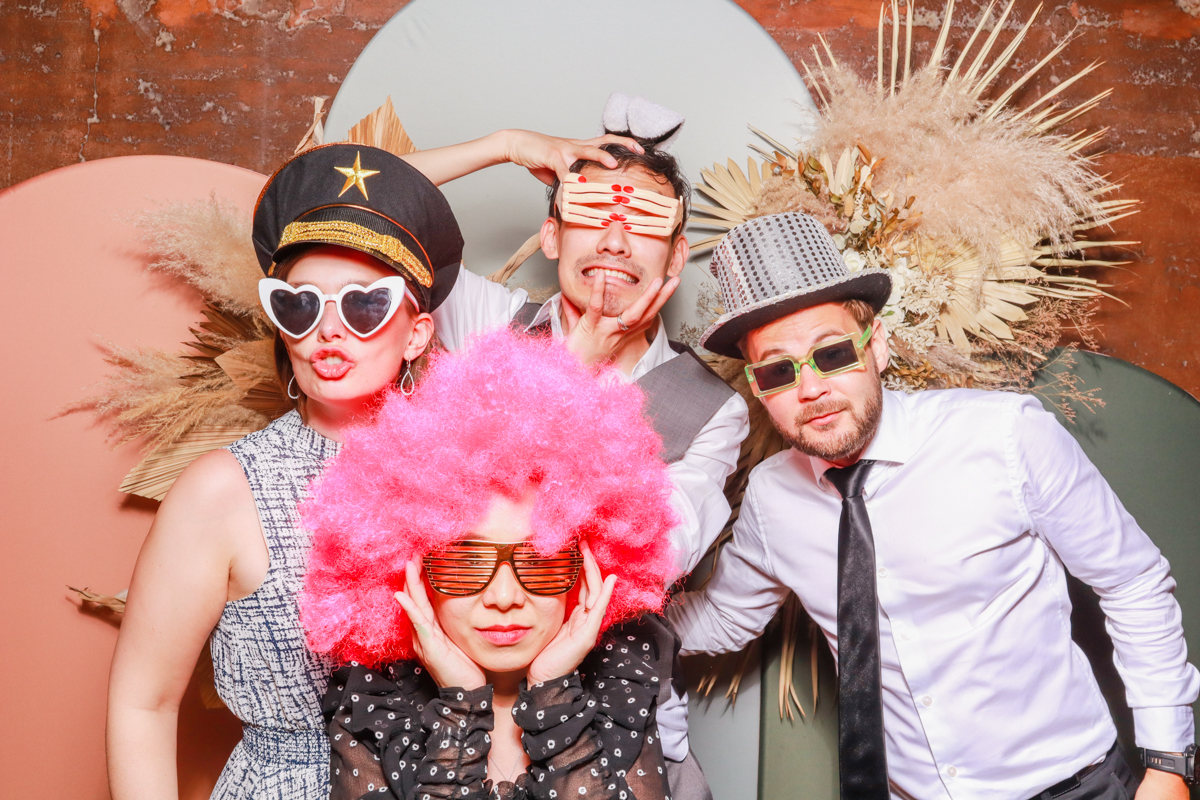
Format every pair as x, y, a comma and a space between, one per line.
980, 211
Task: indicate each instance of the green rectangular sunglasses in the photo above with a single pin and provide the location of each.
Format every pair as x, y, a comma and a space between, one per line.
827, 359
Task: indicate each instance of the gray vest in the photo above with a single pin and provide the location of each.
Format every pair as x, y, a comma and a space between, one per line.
681, 394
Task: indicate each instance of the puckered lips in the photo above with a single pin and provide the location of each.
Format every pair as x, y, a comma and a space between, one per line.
331, 363
504, 635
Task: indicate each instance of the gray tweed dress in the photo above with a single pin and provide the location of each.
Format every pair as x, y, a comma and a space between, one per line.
263, 670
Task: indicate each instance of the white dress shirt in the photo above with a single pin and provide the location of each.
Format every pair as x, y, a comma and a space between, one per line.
979, 503
476, 304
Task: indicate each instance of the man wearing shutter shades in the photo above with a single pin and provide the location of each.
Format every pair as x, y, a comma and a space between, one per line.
929, 536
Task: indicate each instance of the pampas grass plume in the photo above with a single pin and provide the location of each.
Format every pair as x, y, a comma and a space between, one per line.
207, 243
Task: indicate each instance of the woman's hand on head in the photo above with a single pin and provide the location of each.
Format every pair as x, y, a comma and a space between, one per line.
549, 157
578, 635
446, 662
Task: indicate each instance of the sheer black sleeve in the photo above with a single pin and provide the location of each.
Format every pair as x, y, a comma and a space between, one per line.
458, 722
596, 740
395, 736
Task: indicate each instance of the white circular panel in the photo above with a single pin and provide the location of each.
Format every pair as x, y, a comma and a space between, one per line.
459, 69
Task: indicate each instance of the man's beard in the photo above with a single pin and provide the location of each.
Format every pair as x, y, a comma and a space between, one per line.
846, 443
613, 305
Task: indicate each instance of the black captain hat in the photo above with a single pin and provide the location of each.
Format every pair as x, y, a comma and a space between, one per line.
366, 199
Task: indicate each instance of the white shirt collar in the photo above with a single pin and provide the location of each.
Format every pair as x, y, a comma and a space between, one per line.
890, 444
659, 352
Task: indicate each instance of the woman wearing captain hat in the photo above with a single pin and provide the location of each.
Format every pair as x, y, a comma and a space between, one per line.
357, 248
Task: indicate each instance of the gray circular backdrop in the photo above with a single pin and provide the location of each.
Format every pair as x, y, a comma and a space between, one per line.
459, 69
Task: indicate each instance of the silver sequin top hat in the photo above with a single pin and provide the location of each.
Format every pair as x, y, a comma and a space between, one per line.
773, 266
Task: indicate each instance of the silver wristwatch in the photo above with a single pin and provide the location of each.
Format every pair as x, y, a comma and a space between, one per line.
1183, 765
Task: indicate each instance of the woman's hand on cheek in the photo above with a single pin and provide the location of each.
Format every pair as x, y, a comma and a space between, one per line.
576, 638
447, 664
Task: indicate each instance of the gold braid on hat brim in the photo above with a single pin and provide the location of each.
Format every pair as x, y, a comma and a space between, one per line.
351, 234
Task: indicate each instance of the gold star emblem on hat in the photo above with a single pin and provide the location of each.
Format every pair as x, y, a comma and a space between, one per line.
355, 176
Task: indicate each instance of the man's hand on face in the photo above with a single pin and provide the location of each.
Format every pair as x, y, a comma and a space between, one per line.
1159, 785
595, 338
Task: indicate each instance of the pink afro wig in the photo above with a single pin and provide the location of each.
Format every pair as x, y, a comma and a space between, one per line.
508, 413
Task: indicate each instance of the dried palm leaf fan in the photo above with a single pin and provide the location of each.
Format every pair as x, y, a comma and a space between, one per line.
980, 211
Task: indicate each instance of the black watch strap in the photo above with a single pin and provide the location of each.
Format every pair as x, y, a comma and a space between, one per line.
1182, 765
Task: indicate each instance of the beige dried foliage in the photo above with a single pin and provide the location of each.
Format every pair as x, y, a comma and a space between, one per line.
225, 380
780, 194
112, 602
157, 397
207, 244
979, 211
976, 178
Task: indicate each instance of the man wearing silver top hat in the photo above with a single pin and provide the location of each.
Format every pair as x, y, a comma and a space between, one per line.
929, 535
617, 209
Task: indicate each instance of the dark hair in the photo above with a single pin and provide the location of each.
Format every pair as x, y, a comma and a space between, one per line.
662, 166
861, 311
283, 364
283, 371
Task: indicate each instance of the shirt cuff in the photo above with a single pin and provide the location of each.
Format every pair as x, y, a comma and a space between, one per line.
1167, 728
673, 727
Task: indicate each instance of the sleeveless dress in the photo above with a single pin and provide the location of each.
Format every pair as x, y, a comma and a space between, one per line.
262, 668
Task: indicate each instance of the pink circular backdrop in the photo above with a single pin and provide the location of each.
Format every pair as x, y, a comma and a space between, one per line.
74, 275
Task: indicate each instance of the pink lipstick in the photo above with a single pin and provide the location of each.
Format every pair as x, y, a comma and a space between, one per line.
331, 363
503, 635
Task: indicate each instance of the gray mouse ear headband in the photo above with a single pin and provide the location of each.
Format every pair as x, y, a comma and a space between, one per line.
641, 119
601, 204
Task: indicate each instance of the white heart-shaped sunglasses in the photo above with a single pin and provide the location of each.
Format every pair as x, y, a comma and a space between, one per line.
297, 310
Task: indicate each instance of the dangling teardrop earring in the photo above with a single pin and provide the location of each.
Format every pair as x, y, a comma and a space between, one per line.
408, 384
295, 396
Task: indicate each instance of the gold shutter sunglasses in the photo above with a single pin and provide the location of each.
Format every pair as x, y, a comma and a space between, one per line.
827, 359
466, 568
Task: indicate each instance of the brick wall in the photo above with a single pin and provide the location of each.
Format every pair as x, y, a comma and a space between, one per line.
225, 80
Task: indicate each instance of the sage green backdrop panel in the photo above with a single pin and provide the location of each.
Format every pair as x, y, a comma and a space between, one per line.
1145, 440
799, 756
1146, 443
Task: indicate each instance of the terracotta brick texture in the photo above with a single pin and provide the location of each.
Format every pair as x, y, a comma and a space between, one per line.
226, 80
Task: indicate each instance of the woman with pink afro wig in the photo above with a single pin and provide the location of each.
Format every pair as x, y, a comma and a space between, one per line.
470, 547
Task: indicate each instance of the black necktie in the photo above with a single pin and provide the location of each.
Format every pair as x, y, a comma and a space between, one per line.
862, 760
